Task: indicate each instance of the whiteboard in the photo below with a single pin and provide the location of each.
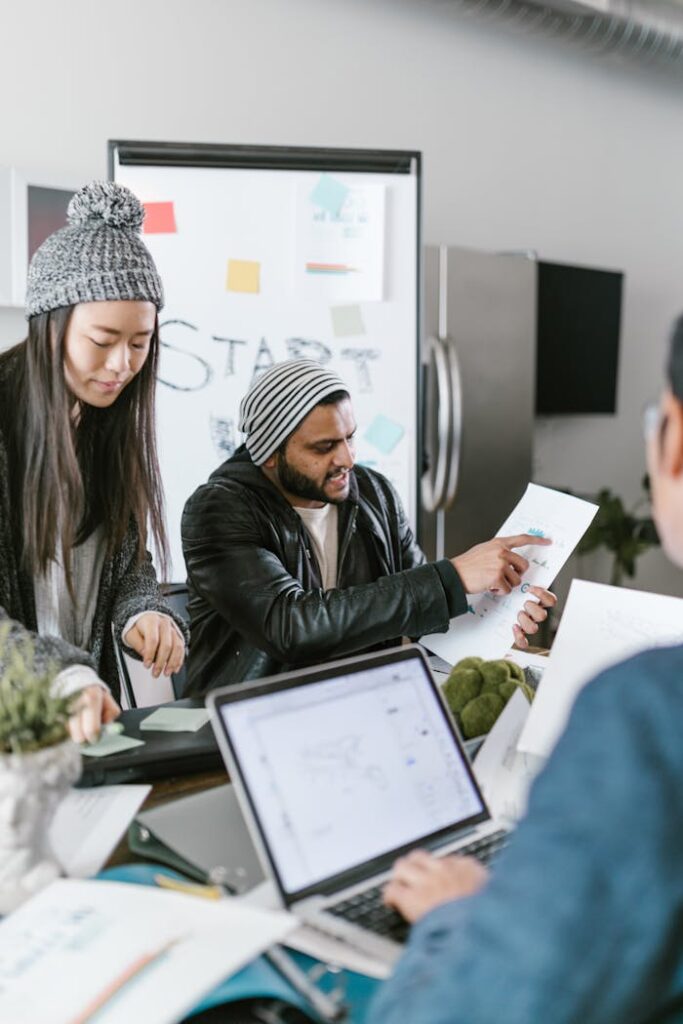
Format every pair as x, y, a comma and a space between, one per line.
265, 264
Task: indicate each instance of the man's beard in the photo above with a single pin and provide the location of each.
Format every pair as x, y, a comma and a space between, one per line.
300, 485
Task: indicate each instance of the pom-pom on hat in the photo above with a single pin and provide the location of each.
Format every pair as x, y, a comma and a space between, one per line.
279, 400
98, 257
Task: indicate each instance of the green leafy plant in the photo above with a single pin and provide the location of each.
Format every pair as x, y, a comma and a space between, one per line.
31, 716
624, 533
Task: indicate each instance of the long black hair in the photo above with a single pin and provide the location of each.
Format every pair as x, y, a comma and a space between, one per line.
71, 473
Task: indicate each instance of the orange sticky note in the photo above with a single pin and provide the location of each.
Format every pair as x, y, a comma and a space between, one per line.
244, 276
159, 219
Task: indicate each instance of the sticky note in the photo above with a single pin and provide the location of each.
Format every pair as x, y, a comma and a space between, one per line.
175, 720
384, 434
347, 320
244, 276
159, 219
329, 194
110, 743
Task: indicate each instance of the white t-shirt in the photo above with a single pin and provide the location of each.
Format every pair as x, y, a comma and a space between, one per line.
322, 525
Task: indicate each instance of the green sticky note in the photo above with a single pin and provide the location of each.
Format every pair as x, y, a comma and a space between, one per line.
110, 743
175, 720
347, 321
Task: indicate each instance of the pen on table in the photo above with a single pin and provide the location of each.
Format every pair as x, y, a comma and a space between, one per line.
127, 974
323, 1004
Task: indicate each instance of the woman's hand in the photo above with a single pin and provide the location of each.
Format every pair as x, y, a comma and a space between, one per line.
157, 640
532, 614
421, 882
93, 708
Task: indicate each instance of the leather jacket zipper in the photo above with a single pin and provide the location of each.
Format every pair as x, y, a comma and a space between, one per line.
347, 540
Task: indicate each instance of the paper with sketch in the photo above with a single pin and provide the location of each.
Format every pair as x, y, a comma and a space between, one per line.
600, 626
88, 824
339, 246
486, 629
504, 774
137, 952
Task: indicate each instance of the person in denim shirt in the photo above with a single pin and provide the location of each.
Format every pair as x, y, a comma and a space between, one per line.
582, 917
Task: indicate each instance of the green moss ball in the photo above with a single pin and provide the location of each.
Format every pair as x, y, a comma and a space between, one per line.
469, 663
479, 715
462, 686
506, 689
516, 671
494, 674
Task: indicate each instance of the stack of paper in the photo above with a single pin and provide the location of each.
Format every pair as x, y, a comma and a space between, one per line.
123, 952
600, 626
88, 824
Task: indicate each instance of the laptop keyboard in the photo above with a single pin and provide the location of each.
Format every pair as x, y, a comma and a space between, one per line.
369, 911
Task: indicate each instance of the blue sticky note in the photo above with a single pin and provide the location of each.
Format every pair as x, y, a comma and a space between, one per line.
329, 194
384, 434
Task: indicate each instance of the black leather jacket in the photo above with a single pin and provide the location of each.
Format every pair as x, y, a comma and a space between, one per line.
256, 604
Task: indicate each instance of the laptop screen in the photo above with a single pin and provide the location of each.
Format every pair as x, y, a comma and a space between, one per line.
343, 770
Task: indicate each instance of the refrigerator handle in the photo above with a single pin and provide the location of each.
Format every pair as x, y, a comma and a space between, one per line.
455, 434
434, 481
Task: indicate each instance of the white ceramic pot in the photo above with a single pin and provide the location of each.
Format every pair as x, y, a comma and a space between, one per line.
31, 786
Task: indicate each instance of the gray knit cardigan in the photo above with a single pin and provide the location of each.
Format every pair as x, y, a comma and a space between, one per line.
126, 586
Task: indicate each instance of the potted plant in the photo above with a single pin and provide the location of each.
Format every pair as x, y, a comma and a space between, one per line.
38, 764
626, 534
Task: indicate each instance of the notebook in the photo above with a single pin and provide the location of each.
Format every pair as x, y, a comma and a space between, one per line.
342, 768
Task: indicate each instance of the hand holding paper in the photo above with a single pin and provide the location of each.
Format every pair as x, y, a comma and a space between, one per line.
485, 630
494, 565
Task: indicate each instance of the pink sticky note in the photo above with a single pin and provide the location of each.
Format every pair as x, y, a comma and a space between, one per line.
159, 219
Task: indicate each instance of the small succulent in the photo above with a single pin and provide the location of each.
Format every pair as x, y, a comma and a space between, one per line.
476, 691
31, 716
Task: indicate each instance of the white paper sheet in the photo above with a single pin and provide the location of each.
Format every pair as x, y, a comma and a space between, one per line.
88, 824
504, 774
61, 951
600, 626
486, 630
339, 252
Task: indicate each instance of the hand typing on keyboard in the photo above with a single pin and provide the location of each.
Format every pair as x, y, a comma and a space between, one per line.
421, 882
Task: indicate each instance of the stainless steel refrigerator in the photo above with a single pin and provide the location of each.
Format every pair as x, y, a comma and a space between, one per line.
479, 354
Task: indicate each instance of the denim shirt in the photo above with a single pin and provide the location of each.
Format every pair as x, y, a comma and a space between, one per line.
582, 920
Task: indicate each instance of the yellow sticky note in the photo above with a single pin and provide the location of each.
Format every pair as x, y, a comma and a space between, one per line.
244, 276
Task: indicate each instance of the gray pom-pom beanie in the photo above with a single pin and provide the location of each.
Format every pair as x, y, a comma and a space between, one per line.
98, 256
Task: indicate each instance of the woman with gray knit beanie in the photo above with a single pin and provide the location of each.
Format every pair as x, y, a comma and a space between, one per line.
79, 477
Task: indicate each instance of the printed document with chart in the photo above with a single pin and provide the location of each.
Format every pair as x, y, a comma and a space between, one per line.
485, 630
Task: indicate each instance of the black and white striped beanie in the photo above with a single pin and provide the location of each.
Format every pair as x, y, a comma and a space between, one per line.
279, 400
98, 256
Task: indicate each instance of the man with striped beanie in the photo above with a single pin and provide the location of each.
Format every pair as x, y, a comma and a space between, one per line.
295, 555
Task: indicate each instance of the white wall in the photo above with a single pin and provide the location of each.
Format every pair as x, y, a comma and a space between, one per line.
527, 143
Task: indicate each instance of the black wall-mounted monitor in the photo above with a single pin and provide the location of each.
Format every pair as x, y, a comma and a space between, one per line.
579, 321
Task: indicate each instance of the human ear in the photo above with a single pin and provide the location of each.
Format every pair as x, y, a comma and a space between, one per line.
672, 436
270, 462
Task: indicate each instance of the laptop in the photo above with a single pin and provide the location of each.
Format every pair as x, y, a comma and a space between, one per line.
339, 770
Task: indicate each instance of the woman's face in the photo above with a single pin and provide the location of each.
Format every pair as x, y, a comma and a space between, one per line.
106, 345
